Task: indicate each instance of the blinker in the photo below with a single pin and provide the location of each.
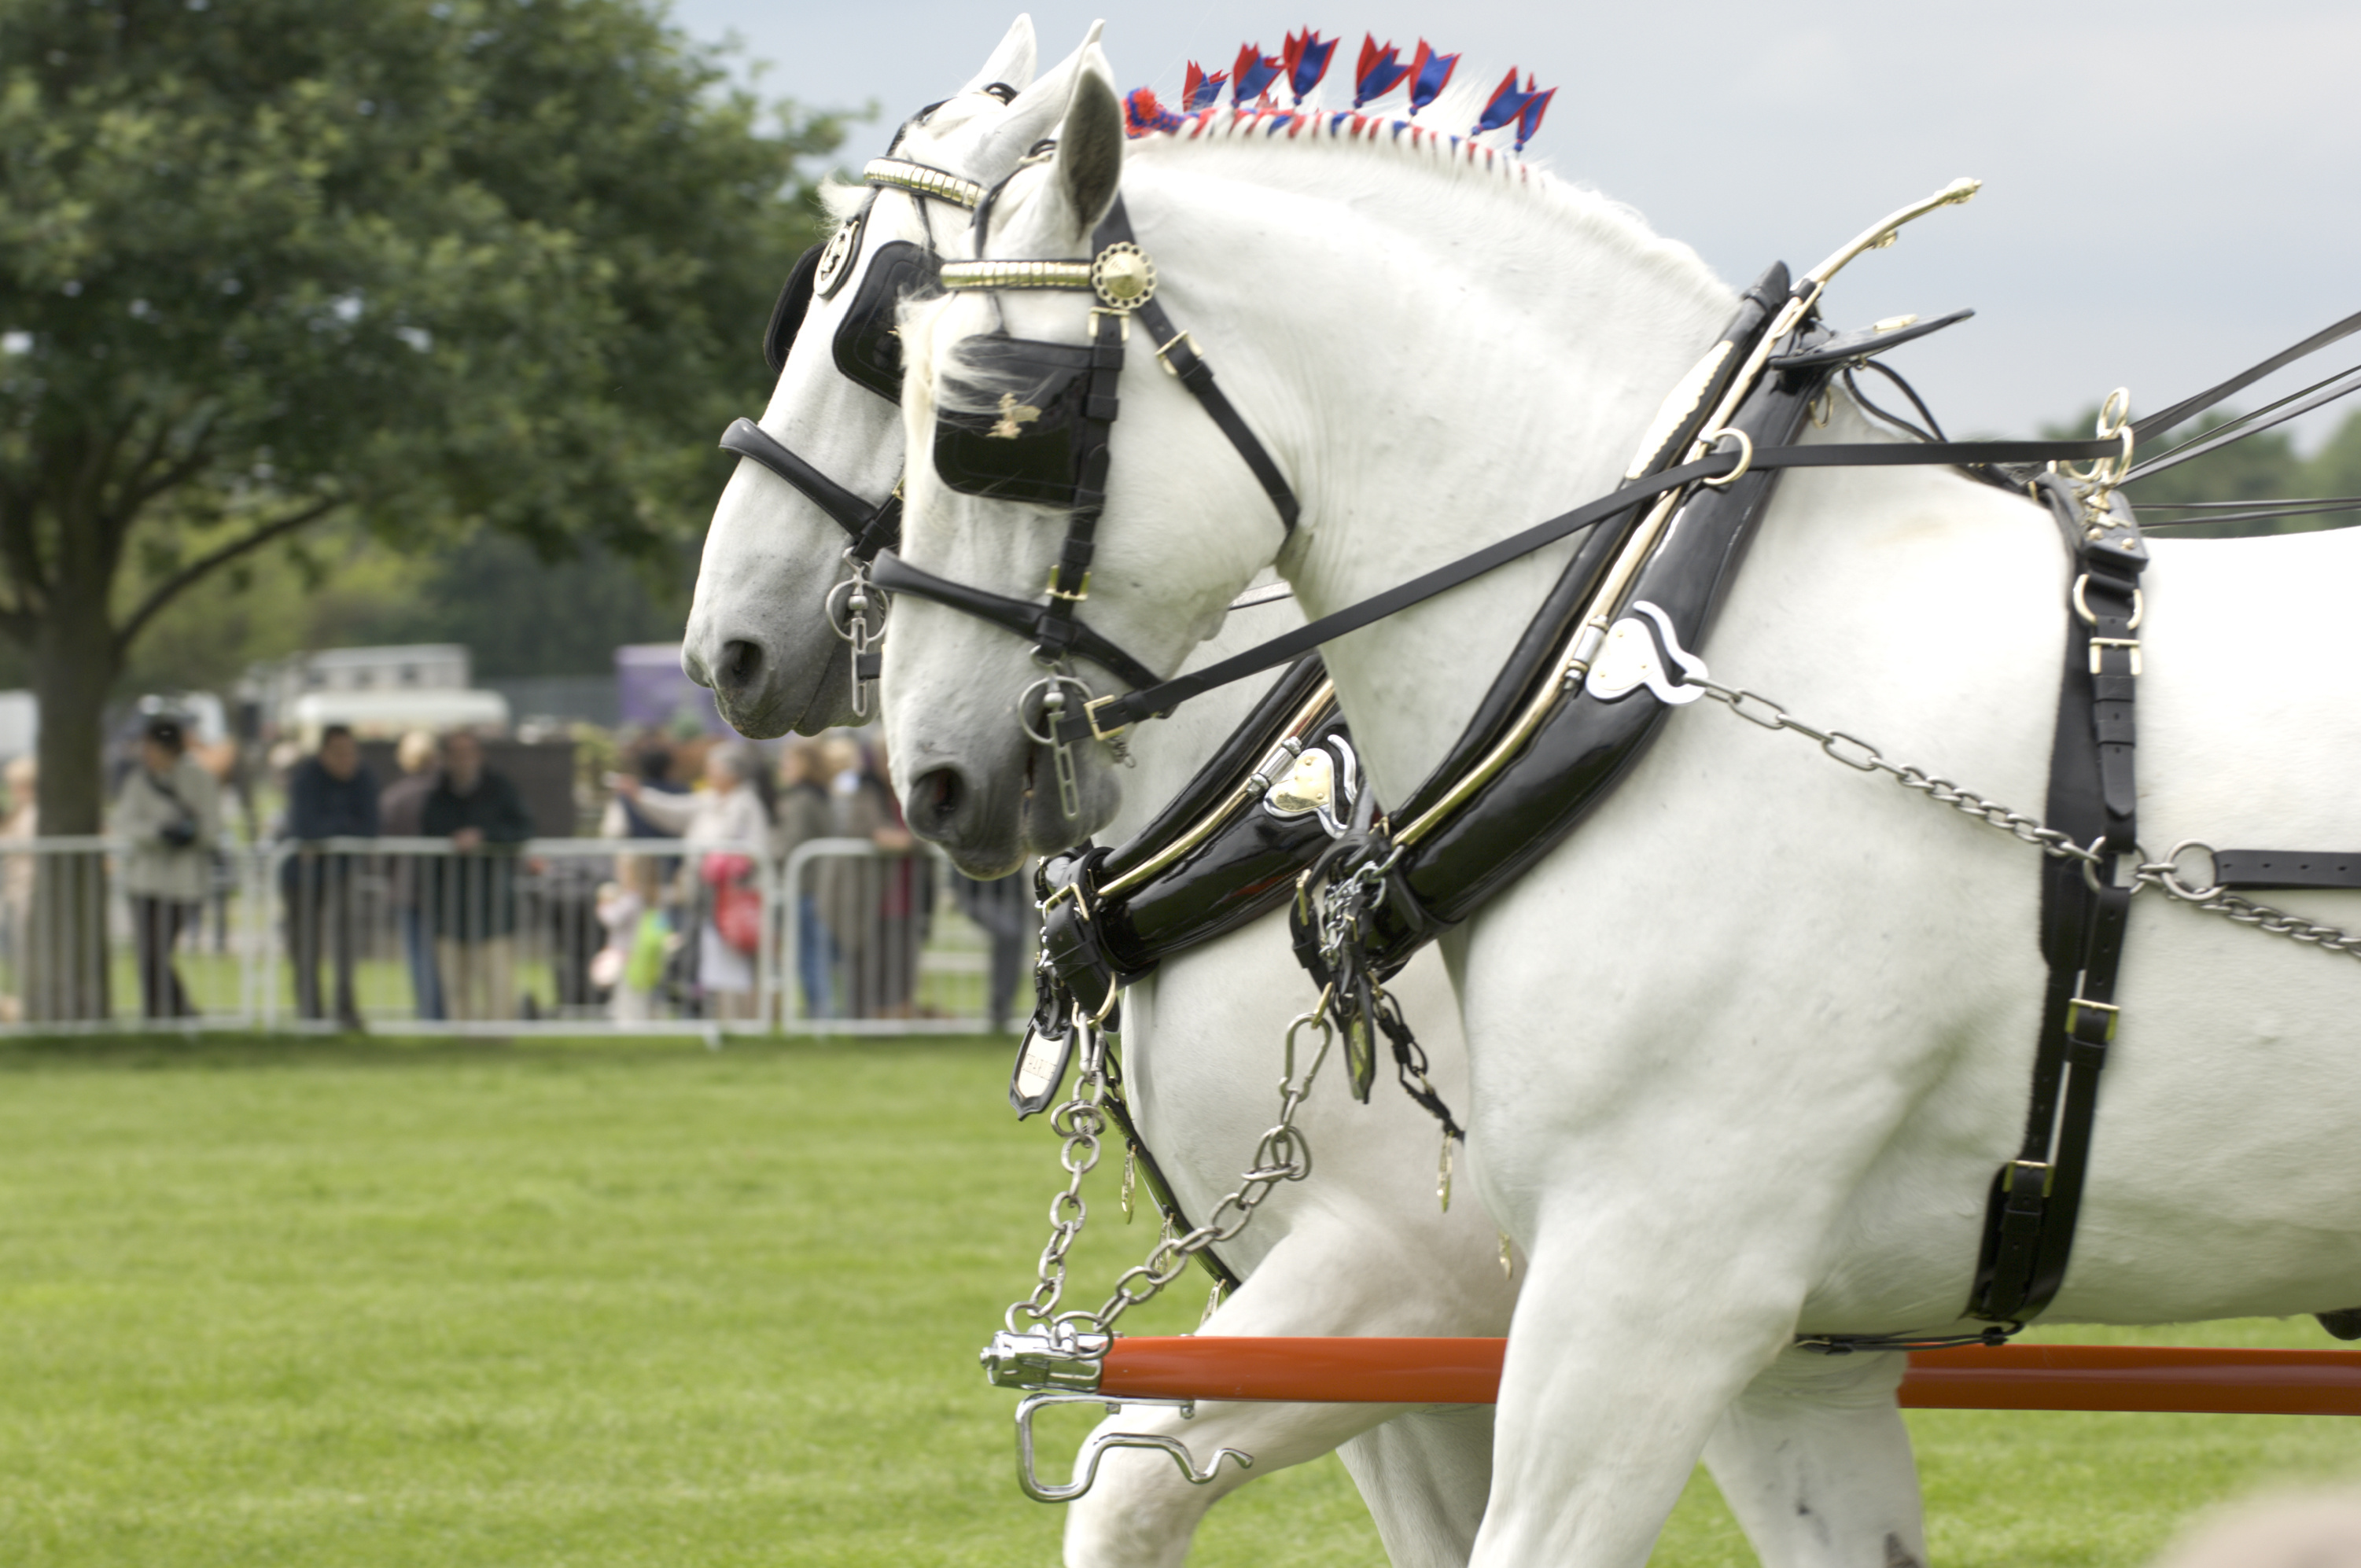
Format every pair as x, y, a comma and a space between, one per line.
867, 348
1017, 437
787, 314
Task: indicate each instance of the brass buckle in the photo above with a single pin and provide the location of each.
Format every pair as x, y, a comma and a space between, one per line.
2099, 646
1161, 354
2115, 1016
1077, 597
1090, 712
2040, 1168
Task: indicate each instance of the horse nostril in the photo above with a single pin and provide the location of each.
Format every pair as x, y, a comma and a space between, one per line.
939, 793
741, 666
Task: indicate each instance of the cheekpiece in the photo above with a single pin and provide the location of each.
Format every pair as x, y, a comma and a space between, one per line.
900, 174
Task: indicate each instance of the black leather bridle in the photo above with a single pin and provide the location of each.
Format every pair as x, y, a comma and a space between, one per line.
867, 351
1032, 420
867, 348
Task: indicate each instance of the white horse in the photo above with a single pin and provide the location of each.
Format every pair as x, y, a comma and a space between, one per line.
1374, 1257
1749, 1045
1825, 1482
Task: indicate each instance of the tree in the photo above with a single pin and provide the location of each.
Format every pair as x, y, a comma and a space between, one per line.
422, 264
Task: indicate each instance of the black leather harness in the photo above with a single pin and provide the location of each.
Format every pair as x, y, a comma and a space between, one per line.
1562, 767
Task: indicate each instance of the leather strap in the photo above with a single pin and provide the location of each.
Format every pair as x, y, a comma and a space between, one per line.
1860, 345
1160, 1190
2189, 408
1178, 352
872, 527
2342, 384
2036, 1198
1154, 698
1056, 627
1022, 616
2243, 870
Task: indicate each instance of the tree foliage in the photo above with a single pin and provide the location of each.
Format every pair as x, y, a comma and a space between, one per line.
425, 265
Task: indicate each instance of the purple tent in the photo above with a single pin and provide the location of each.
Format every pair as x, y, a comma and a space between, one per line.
651, 691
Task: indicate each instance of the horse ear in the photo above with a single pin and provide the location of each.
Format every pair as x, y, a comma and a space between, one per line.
1012, 62
1090, 150
1032, 116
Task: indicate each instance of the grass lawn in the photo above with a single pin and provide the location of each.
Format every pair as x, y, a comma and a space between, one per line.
607, 1304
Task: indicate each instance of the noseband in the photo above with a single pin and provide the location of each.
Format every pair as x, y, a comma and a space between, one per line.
1032, 420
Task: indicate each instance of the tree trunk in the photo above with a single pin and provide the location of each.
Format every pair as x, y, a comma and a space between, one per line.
66, 954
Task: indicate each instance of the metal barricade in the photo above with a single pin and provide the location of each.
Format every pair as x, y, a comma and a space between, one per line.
552, 936
100, 935
894, 942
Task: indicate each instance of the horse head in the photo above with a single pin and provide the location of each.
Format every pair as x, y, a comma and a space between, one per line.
761, 631
1001, 374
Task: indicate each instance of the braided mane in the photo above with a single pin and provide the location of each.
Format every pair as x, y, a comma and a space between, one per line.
1473, 170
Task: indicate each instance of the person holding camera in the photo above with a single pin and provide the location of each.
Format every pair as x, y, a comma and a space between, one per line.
170, 811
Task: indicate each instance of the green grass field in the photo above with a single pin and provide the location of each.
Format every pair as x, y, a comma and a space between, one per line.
360, 1304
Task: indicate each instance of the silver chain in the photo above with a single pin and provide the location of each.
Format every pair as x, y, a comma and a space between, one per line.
1283, 1154
1080, 1123
1862, 757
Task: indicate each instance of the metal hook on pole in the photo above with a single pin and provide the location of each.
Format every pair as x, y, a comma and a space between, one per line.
1086, 1463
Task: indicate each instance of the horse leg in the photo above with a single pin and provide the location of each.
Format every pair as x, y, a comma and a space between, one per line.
1814, 1460
1423, 1475
1636, 1332
1142, 1511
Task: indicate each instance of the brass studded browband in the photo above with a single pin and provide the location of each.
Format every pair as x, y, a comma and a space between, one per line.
1075, 275
921, 181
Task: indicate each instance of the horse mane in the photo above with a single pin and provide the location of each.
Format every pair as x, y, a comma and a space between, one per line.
1282, 146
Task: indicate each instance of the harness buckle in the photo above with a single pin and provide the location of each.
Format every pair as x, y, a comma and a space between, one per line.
2112, 1014
2099, 646
1164, 353
1077, 597
2032, 1171
1090, 712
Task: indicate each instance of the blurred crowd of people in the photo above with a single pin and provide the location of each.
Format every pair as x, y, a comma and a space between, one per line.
670, 933
860, 924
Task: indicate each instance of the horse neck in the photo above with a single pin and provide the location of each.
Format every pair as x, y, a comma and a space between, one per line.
1467, 359
1168, 753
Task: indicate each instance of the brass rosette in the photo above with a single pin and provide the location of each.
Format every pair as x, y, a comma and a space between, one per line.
1123, 277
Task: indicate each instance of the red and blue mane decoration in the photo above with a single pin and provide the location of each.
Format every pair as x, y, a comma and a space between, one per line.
1255, 77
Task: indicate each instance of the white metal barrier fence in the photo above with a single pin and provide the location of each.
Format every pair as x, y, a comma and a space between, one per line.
564, 936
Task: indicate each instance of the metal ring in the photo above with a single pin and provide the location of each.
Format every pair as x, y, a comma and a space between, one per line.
2091, 867
1745, 455
1025, 703
2082, 605
880, 602
2115, 413
2170, 877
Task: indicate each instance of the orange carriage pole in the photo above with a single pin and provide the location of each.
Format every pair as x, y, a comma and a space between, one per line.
1975, 1377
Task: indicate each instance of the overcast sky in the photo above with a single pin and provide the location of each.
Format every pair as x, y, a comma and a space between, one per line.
2169, 189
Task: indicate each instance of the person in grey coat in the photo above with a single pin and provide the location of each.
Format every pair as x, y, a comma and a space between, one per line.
170, 811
